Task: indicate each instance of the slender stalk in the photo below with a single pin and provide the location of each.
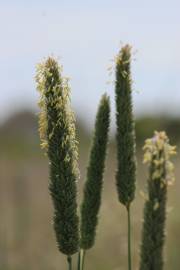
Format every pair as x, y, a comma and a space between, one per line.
129, 237
82, 254
79, 261
69, 260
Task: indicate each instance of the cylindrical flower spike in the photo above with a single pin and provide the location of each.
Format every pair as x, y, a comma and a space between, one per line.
157, 154
57, 132
93, 186
126, 160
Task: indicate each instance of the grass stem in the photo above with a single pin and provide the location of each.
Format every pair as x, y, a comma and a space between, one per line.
81, 259
69, 260
129, 237
83, 253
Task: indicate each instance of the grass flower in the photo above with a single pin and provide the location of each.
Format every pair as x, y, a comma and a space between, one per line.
126, 160
157, 155
94, 182
57, 133
126, 171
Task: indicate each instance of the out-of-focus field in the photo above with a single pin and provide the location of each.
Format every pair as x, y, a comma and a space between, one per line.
26, 236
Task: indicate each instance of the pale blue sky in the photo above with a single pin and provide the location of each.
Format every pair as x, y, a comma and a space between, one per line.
85, 35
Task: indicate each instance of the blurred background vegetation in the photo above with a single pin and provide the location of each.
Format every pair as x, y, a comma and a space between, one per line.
84, 35
26, 236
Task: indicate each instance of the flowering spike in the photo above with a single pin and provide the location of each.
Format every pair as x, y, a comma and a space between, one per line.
126, 172
93, 186
57, 133
157, 155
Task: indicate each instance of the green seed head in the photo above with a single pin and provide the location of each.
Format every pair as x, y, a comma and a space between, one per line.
126, 160
157, 155
57, 133
94, 182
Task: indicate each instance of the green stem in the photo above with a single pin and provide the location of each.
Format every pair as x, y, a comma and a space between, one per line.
129, 237
69, 260
81, 259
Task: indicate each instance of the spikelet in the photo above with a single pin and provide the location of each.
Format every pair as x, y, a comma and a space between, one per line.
57, 134
157, 155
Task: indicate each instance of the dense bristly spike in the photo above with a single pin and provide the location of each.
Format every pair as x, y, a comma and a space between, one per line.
157, 155
126, 160
57, 133
93, 186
